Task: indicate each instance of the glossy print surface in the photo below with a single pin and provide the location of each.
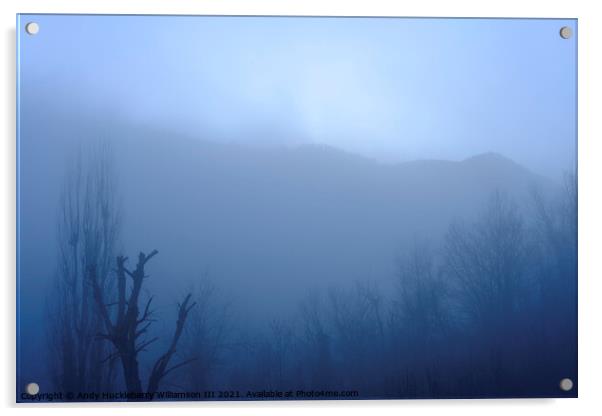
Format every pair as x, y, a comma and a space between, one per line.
276, 208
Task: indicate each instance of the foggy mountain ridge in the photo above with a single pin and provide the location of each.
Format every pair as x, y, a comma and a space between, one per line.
268, 224
225, 209
342, 214
311, 163
344, 217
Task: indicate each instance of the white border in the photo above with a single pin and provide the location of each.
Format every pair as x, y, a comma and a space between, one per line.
590, 206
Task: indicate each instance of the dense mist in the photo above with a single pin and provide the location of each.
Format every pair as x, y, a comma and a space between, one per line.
248, 220
286, 249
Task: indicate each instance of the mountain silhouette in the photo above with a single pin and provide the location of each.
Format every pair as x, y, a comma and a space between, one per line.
259, 217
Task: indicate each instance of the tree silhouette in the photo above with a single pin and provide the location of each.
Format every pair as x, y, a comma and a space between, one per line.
126, 330
419, 318
487, 262
88, 230
207, 335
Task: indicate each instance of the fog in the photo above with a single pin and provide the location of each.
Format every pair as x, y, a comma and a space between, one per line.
289, 170
392, 89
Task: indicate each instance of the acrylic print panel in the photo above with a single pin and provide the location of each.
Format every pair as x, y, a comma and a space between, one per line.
257, 208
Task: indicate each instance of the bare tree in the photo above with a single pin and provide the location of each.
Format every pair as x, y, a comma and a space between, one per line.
126, 330
316, 341
419, 305
487, 265
358, 332
486, 261
554, 231
555, 226
419, 321
206, 335
88, 230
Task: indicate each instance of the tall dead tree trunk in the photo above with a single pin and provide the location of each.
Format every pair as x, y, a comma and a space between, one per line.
126, 330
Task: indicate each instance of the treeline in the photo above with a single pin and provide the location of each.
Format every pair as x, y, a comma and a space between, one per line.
488, 311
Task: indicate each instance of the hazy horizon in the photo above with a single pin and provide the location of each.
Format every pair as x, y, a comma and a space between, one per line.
389, 89
376, 201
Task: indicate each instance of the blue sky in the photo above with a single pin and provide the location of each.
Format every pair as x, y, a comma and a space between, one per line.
392, 89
